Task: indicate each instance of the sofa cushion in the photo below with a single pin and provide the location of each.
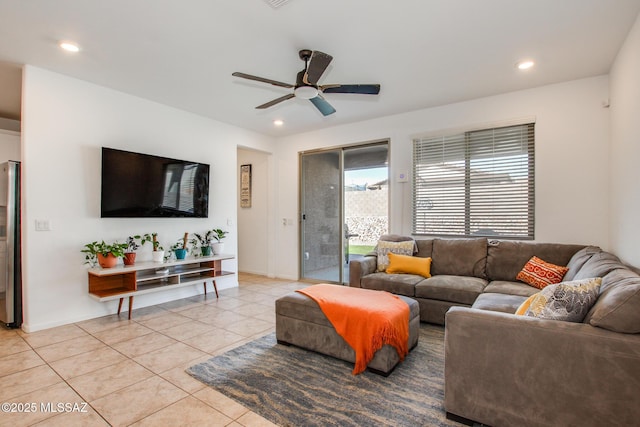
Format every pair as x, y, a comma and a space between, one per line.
409, 264
599, 265
383, 248
568, 301
401, 284
498, 302
539, 273
459, 257
505, 258
457, 289
425, 248
579, 259
618, 307
510, 288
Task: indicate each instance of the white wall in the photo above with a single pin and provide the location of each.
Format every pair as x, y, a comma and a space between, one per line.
253, 222
9, 145
572, 150
65, 122
625, 149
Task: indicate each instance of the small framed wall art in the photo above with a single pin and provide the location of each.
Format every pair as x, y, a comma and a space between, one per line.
245, 186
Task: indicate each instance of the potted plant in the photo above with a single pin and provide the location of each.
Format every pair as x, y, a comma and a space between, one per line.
158, 251
180, 248
133, 244
106, 255
218, 235
203, 242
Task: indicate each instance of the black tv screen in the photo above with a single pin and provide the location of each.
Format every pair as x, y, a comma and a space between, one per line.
136, 185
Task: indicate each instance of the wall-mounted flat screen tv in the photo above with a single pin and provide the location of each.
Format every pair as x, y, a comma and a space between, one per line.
136, 185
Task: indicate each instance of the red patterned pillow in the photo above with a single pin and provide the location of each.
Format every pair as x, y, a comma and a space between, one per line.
539, 273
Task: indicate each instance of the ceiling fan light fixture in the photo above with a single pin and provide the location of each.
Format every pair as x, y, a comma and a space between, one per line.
306, 92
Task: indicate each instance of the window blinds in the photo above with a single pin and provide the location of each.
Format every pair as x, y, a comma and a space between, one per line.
478, 183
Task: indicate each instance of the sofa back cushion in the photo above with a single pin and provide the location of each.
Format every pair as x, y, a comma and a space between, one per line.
579, 259
599, 265
459, 257
505, 258
425, 248
618, 306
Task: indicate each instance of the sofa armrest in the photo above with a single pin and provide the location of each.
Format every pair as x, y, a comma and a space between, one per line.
358, 268
502, 369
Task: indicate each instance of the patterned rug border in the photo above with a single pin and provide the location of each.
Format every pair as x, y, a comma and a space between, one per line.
290, 386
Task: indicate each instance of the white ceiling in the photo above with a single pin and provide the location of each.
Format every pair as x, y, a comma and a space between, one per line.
424, 53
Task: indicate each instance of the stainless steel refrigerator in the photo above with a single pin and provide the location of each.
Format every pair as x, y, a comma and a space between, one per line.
10, 245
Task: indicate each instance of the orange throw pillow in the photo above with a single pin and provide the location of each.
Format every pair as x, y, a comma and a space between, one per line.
539, 273
409, 264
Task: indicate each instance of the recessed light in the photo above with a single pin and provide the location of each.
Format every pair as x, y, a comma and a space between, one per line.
525, 65
278, 122
69, 46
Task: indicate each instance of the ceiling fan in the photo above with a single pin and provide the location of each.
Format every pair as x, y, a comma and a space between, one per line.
306, 87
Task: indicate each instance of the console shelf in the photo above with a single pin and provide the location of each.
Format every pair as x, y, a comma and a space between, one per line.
106, 284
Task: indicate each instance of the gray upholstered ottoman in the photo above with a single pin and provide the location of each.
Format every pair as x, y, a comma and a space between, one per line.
300, 322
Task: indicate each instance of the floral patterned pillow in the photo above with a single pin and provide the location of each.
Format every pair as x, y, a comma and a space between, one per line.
406, 247
568, 301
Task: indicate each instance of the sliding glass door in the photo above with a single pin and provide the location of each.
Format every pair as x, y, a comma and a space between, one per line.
321, 208
343, 207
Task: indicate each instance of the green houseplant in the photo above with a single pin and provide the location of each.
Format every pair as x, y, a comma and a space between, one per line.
104, 254
158, 251
202, 241
133, 244
180, 247
218, 235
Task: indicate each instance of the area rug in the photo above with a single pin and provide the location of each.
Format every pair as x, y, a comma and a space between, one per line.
294, 387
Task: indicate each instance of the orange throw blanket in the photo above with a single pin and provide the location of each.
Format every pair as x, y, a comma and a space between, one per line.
366, 319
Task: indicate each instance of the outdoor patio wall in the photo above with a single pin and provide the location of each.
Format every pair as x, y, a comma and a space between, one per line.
572, 152
65, 122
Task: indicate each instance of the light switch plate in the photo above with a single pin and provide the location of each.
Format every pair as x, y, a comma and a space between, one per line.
43, 225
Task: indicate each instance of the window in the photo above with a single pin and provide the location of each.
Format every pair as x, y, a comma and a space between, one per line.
478, 183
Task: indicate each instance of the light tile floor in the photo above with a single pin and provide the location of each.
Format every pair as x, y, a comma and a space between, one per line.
132, 372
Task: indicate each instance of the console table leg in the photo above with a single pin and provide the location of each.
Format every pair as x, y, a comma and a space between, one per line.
204, 284
215, 288
120, 306
130, 305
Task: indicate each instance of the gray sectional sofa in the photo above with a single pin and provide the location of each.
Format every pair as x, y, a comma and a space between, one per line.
505, 370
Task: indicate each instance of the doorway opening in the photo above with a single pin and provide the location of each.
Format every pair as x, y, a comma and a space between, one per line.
344, 208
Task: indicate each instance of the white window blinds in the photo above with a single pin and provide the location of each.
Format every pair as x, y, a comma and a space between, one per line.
478, 183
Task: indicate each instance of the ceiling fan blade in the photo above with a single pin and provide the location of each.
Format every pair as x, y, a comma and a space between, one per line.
322, 105
275, 101
361, 89
262, 79
317, 65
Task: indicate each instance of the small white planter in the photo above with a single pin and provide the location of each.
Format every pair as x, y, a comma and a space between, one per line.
157, 256
217, 248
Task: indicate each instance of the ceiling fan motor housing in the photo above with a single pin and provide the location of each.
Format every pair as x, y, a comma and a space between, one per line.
303, 90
